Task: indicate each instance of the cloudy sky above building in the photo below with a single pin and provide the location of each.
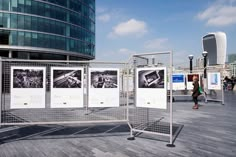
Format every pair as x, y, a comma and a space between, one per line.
126, 27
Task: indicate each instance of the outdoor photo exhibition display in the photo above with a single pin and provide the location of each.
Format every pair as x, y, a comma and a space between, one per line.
103, 87
67, 87
178, 81
214, 81
190, 80
27, 87
151, 88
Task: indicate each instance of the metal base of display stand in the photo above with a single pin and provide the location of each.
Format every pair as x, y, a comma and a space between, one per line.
131, 138
170, 145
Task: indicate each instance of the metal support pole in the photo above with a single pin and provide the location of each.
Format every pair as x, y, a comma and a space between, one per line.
134, 80
205, 70
205, 89
171, 106
190, 57
87, 88
191, 65
153, 61
0, 91
131, 128
127, 92
222, 91
205, 75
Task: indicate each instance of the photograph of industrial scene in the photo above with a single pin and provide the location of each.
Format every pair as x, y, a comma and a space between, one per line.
66, 78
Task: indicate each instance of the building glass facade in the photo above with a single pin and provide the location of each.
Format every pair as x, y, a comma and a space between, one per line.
38, 29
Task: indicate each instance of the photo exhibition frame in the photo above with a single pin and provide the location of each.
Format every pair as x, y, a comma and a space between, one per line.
190, 80
214, 82
104, 87
28, 87
151, 87
67, 87
178, 81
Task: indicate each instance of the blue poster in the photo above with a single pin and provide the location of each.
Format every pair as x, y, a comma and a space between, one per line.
178, 78
214, 79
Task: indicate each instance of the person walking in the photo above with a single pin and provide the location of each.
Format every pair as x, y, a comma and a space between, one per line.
195, 91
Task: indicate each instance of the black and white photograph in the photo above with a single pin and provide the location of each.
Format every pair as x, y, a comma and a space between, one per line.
104, 87
151, 89
67, 87
27, 78
66, 78
104, 79
27, 87
151, 79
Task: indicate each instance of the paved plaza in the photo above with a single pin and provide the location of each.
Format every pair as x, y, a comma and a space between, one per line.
209, 131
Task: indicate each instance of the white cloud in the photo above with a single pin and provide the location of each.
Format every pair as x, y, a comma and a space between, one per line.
130, 27
221, 13
126, 51
104, 17
120, 55
156, 44
100, 10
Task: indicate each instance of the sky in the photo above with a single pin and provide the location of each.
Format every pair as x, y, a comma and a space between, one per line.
126, 27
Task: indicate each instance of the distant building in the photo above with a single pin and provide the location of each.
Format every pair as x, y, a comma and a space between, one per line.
232, 67
231, 58
199, 62
215, 44
47, 29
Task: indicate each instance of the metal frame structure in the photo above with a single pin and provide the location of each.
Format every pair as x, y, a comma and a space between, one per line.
49, 115
162, 125
147, 121
221, 91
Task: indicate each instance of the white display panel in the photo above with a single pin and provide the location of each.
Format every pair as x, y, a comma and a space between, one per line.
67, 87
104, 87
178, 81
151, 88
214, 81
27, 87
190, 80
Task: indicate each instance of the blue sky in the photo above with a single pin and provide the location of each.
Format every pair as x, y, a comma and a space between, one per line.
126, 27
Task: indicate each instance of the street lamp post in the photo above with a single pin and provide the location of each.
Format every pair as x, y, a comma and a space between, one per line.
191, 63
204, 54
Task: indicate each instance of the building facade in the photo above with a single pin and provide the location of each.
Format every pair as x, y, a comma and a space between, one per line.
215, 44
231, 58
200, 62
47, 29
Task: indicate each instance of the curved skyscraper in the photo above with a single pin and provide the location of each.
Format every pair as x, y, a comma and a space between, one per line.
47, 29
215, 44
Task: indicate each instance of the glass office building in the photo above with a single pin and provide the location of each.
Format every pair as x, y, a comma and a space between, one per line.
47, 29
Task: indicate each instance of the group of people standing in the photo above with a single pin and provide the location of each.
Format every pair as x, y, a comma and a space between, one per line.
229, 83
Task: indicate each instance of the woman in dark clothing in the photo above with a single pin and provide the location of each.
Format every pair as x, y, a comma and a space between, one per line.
196, 92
